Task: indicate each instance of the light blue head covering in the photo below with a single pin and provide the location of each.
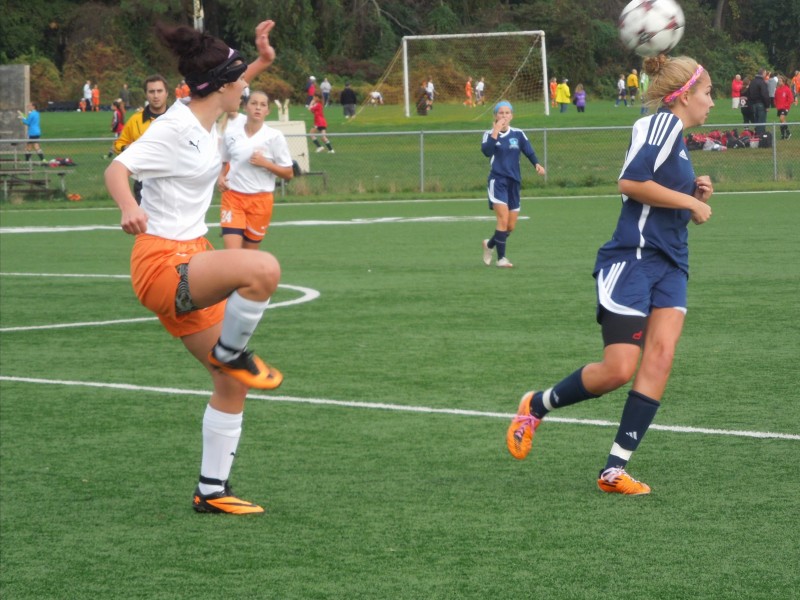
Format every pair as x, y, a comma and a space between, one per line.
501, 104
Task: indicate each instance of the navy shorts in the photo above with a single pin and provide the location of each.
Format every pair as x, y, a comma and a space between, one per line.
635, 287
503, 190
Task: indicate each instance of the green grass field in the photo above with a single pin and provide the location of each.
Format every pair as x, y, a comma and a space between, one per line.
381, 460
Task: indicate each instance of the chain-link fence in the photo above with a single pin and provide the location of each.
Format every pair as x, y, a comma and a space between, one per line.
386, 165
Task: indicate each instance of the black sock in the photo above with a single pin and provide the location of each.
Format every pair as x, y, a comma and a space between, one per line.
328, 144
568, 391
316, 143
637, 415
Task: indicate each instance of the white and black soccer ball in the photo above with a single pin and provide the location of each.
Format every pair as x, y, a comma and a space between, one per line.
650, 27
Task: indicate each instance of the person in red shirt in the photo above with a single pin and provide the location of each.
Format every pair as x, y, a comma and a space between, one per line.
783, 102
736, 90
320, 124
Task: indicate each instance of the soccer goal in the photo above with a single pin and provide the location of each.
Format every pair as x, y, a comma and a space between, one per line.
498, 66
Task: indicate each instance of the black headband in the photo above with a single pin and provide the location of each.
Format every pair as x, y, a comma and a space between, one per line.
204, 83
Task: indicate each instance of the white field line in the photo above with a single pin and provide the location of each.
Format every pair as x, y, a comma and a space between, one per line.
303, 223
392, 407
307, 295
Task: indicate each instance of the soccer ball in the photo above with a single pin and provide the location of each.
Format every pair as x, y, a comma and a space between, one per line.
649, 27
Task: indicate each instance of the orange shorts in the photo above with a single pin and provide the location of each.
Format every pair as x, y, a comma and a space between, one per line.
155, 278
249, 213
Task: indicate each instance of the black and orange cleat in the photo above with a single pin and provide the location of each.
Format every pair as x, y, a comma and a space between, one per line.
250, 370
223, 502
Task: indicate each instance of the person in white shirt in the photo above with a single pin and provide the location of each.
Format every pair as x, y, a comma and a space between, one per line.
479, 89
211, 299
253, 155
430, 90
325, 87
87, 95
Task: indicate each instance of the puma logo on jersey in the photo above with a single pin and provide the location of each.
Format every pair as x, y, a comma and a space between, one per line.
195, 144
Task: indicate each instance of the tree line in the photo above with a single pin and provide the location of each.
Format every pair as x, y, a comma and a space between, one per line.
69, 41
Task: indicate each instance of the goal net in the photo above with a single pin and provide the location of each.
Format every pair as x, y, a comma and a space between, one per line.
506, 65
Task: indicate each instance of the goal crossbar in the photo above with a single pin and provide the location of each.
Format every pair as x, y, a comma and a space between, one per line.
533, 33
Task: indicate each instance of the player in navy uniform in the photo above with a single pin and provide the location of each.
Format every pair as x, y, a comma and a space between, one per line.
503, 144
641, 272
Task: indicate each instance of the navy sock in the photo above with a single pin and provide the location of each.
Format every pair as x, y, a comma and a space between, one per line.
568, 391
637, 415
500, 243
493, 241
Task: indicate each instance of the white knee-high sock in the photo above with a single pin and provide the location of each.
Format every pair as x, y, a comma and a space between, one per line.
221, 432
238, 325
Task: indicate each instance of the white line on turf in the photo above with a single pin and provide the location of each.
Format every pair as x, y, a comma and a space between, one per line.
303, 223
394, 407
308, 294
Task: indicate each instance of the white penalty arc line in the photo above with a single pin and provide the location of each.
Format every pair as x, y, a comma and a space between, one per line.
308, 295
396, 407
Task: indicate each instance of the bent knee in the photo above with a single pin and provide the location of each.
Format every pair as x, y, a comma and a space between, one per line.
265, 274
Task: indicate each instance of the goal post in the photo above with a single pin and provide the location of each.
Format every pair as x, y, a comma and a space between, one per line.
512, 65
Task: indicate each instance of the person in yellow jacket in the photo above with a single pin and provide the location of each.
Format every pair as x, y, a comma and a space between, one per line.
633, 85
563, 95
155, 91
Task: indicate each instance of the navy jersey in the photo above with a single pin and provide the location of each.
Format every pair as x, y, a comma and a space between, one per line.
657, 152
504, 152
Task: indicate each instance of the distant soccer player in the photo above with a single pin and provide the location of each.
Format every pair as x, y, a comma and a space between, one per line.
503, 145
480, 87
320, 124
468, 93
256, 154
641, 273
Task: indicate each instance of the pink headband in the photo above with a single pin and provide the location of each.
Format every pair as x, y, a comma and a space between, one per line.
692, 80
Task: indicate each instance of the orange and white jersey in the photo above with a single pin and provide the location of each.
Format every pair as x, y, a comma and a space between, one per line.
237, 148
178, 161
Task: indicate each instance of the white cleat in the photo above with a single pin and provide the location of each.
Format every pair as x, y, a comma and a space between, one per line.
487, 253
504, 263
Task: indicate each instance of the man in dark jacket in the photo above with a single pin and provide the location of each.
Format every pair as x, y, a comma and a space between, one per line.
348, 100
758, 95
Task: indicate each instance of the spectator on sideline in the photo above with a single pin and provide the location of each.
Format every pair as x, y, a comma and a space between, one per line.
211, 299
641, 273
796, 87
736, 90
772, 85
744, 102
117, 121
503, 144
348, 101
468, 93
156, 96
182, 90
480, 87
553, 85
95, 98
87, 94
375, 97
622, 93
256, 155
33, 122
325, 88
580, 98
783, 102
644, 83
633, 86
311, 89
320, 124
563, 95
125, 96
431, 91
758, 97
423, 100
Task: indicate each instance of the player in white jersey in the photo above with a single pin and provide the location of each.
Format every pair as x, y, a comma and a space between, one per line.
641, 272
211, 300
253, 155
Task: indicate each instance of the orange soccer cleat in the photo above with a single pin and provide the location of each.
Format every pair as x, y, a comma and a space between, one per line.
617, 481
250, 370
519, 436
